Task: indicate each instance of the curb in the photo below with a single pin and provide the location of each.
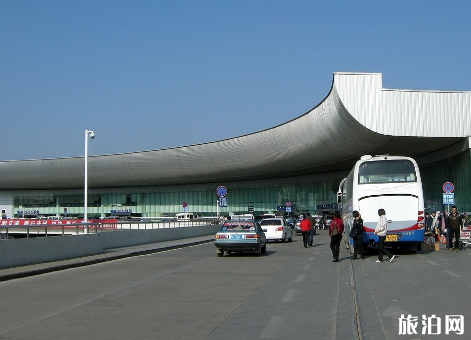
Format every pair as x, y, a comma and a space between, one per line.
54, 268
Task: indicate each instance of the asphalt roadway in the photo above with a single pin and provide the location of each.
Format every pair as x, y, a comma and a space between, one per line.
181, 290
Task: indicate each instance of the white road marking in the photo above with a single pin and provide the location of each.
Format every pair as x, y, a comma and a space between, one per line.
289, 295
311, 258
272, 327
433, 263
452, 273
300, 278
307, 266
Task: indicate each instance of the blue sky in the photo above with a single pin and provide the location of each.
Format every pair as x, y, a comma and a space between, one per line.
148, 75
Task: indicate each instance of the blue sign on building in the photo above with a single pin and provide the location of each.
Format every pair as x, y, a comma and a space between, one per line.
325, 206
122, 212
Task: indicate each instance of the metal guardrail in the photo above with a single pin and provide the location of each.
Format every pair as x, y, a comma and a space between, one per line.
58, 229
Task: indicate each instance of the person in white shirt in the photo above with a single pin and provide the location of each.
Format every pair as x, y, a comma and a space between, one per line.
381, 231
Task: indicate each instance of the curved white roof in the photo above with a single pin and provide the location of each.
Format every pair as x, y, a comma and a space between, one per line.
410, 113
357, 117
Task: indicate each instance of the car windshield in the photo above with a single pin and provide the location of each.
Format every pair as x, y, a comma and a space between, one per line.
270, 222
235, 226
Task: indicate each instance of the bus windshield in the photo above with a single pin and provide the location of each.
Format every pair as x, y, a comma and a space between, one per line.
386, 171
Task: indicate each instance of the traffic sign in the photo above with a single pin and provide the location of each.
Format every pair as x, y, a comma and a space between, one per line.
222, 202
448, 198
221, 191
448, 187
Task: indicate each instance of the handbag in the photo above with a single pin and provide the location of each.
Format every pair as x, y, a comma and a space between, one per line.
353, 233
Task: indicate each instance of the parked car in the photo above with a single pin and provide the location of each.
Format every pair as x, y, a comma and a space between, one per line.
324, 223
290, 221
259, 218
318, 225
240, 235
276, 229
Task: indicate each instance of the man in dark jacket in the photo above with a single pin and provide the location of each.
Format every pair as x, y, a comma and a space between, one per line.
357, 227
312, 232
455, 222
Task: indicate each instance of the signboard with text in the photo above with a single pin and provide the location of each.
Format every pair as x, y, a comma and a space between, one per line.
222, 202
448, 198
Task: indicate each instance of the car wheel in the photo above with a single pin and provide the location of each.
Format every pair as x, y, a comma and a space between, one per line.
263, 249
219, 252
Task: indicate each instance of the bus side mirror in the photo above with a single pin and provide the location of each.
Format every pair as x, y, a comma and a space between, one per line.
339, 198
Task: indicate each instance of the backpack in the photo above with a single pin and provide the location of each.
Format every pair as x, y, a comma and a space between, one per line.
335, 229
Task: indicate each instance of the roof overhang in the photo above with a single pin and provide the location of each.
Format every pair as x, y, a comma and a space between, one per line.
357, 117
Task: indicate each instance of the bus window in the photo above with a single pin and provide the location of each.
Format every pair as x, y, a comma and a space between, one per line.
386, 171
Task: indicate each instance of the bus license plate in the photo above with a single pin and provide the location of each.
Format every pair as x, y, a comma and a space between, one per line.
391, 238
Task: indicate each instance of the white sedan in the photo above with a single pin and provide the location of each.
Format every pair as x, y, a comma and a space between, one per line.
276, 229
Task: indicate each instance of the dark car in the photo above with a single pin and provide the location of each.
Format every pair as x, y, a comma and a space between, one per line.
291, 221
328, 220
240, 235
324, 222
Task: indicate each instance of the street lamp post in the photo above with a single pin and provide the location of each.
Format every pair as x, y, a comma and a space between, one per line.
85, 194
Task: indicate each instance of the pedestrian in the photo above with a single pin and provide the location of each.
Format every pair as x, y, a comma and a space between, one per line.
335, 232
435, 230
357, 233
305, 229
455, 228
381, 231
428, 224
313, 228
444, 226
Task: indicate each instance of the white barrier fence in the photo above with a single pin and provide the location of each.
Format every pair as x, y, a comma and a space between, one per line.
11, 228
25, 251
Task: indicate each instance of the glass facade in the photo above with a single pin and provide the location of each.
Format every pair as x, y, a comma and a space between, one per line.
310, 193
302, 194
455, 169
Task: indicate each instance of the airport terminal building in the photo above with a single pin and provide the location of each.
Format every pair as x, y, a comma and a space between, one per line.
296, 166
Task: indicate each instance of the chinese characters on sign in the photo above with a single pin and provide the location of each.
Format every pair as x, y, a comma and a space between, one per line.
449, 198
222, 202
431, 325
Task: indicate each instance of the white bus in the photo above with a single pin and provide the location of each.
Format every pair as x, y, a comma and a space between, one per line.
392, 183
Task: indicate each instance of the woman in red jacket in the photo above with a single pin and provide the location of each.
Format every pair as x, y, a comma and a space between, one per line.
305, 229
335, 232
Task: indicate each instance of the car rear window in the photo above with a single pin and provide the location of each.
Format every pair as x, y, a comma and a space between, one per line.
238, 226
270, 222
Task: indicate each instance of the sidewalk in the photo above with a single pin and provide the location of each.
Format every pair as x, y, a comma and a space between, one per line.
108, 255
